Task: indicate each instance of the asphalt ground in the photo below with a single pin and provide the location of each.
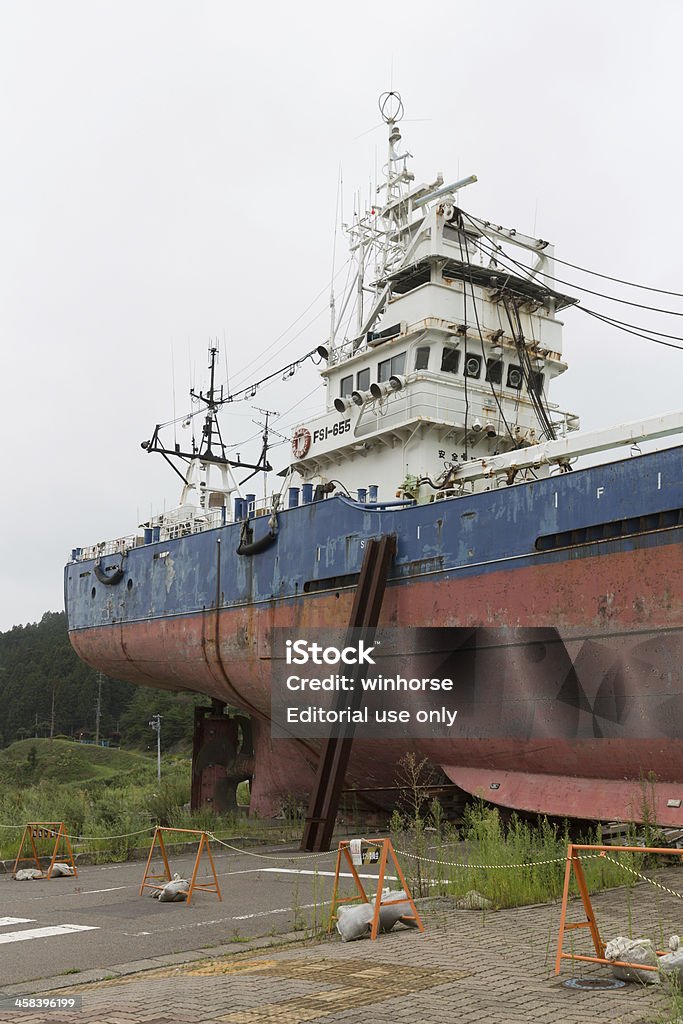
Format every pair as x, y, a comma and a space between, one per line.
116, 926
467, 966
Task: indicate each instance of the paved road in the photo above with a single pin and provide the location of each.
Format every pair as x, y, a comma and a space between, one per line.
468, 967
53, 927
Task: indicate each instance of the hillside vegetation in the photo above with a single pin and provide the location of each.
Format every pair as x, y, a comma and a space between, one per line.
41, 675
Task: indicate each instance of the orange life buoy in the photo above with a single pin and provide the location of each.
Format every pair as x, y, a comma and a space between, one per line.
301, 442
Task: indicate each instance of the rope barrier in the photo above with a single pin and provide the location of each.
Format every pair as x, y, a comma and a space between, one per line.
122, 835
462, 864
644, 878
267, 856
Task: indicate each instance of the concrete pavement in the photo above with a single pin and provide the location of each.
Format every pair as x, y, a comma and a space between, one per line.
469, 966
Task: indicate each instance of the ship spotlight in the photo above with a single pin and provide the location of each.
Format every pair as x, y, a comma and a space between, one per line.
341, 404
476, 426
490, 430
359, 397
397, 382
378, 390
322, 352
145, 445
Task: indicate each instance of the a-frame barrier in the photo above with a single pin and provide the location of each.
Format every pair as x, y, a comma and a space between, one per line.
574, 867
159, 880
42, 830
387, 851
336, 751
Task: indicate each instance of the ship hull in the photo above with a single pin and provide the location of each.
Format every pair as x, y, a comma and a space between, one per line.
202, 618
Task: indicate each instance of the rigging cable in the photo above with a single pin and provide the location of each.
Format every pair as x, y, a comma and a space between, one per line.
623, 325
607, 277
481, 336
464, 316
570, 284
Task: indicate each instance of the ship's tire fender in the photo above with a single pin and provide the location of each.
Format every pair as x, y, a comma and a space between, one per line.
109, 578
255, 547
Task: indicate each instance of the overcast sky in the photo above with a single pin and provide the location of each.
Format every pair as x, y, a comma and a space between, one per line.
169, 174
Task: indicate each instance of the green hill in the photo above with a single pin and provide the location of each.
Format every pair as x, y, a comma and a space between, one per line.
63, 761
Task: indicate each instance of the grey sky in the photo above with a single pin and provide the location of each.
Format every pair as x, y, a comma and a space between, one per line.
169, 174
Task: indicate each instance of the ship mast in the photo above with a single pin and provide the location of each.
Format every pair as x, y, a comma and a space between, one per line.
211, 453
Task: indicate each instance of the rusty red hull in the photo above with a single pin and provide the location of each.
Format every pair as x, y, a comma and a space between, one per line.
629, 603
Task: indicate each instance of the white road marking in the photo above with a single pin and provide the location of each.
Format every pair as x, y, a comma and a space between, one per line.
280, 910
327, 874
45, 933
89, 892
15, 920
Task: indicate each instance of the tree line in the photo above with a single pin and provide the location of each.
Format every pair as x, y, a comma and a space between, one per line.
45, 689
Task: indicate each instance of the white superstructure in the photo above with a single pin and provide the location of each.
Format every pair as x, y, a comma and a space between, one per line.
451, 356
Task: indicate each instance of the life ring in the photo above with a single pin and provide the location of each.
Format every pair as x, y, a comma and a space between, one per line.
301, 442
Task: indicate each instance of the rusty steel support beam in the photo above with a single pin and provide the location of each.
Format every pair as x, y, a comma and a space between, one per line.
336, 751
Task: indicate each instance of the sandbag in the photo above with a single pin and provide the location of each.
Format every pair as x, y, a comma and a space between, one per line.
671, 964
354, 922
633, 951
62, 870
389, 915
174, 891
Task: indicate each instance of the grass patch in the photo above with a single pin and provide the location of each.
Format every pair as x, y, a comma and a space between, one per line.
513, 864
107, 793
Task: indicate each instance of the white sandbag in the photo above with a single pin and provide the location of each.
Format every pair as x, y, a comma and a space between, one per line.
354, 922
62, 870
28, 874
633, 951
174, 891
671, 964
389, 915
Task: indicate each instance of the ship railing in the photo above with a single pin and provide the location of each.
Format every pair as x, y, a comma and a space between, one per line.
166, 528
107, 547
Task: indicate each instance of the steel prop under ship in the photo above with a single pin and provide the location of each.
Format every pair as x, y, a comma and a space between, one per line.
436, 396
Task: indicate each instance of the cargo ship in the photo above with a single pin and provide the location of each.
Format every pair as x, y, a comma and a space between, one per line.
438, 430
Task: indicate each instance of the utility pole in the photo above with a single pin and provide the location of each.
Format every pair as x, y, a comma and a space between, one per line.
98, 709
52, 714
155, 723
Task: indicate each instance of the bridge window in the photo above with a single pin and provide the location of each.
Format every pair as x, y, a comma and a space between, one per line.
422, 359
346, 386
390, 367
536, 382
363, 379
494, 370
450, 360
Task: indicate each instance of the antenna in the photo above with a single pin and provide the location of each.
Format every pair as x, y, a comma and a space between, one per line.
263, 458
